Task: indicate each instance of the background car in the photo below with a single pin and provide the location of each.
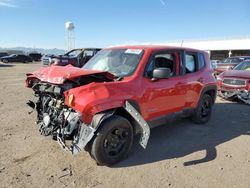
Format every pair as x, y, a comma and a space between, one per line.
16, 58
214, 63
229, 63
35, 56
75, 57
2, 54
235, 84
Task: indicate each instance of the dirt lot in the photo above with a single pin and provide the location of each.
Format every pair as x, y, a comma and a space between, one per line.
179, 155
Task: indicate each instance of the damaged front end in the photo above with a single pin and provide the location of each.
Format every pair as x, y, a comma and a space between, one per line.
236, 95
54, 118
59, 116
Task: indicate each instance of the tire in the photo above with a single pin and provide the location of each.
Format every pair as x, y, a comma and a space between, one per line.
112, 142
203, 111
5, 61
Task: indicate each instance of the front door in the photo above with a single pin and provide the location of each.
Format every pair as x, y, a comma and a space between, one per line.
164, 96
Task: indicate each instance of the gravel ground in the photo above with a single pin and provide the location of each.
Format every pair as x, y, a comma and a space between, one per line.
178, 155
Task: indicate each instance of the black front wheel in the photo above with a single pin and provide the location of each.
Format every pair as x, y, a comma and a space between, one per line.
113, 141
203, 111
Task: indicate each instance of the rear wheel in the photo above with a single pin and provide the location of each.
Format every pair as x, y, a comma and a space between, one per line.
5, 61
113, 141
203, 111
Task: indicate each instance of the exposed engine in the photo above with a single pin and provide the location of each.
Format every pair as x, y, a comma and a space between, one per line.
54, 118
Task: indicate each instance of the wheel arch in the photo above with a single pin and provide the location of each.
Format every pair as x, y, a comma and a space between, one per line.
211, 90
119, 110
129, 112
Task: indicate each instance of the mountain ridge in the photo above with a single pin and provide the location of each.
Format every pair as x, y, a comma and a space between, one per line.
55, 51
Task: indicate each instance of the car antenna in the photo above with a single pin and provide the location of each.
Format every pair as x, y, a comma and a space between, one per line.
182, 42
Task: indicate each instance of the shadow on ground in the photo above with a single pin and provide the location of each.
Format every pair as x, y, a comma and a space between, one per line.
6, 65
229, 120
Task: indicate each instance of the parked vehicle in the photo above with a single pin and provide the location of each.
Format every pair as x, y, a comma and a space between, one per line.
75, 57
16, 58
235, 84
2, 54
35, 56
120, 92
229, 63
214, 63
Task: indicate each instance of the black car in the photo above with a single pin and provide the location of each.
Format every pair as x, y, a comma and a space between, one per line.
75, 57
16, 58
35, 56
2, 54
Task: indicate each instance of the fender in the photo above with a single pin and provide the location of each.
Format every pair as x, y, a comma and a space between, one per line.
145, 130
96, 97
86, 132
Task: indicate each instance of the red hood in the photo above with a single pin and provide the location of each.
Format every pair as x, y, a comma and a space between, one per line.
237, 73
58, 74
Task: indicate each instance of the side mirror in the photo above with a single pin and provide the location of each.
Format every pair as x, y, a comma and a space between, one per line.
161, 73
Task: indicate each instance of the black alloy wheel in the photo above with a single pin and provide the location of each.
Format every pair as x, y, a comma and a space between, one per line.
113, 141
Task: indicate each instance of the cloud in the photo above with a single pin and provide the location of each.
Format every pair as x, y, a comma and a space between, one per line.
7, 3
163, 2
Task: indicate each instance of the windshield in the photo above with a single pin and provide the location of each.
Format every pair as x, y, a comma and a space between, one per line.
232, 60
120, 62
73, 53
243, 66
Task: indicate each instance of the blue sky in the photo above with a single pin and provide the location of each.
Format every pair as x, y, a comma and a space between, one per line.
99, 23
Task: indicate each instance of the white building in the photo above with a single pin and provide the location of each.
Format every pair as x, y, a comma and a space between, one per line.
219, 49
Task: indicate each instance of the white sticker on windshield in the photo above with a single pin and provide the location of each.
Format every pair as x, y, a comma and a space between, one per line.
133, 51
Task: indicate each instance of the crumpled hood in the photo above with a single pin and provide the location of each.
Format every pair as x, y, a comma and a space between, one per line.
58, 74
237, 73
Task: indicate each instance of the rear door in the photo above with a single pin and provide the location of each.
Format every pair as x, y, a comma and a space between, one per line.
15, 58
21, 58
194, 67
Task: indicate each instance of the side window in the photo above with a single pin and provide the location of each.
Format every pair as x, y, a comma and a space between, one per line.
190, 63
201, 62
162, 60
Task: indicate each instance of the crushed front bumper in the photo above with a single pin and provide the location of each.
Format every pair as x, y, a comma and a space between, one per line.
241, 95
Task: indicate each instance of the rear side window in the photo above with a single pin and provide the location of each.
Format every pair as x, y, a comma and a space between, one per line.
190, 63
201, 59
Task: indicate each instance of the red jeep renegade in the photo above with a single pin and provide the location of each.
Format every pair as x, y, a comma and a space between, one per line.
120, 92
